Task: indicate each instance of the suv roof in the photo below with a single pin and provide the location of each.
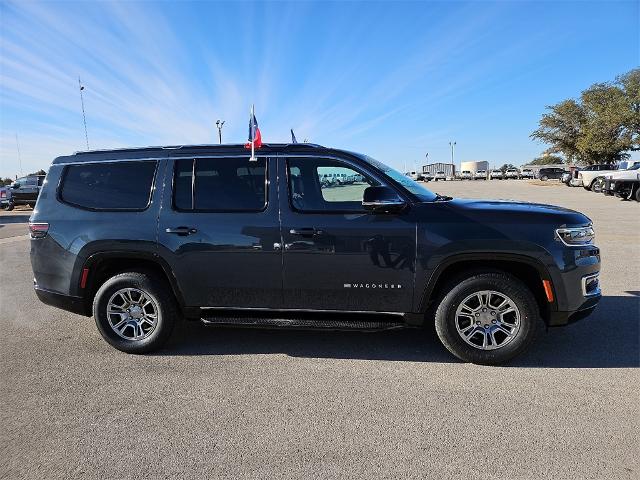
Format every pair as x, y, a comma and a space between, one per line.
163, 151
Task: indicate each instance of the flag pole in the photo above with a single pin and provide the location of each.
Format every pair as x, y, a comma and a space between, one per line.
253, 135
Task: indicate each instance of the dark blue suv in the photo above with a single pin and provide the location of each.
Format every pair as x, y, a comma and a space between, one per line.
305, 237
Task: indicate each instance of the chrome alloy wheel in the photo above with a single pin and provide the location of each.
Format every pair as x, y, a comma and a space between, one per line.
132, 314
487, 320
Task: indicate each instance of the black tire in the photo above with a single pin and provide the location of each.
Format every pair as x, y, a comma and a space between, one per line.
157, 289
9, 207
597, 185
503, 283
544, 178
637, 194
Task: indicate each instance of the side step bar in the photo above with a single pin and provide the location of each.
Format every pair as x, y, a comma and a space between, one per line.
375, 323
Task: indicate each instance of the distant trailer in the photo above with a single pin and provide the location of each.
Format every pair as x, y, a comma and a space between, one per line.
474, 166
449, 169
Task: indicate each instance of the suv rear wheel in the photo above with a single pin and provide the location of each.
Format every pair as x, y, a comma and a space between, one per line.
135, 311
487, 318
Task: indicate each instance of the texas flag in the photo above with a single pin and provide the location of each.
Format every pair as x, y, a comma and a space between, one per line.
255, 139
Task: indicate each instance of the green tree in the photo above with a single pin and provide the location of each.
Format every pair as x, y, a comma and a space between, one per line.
548, 159
561, 128
630, 85
603, 138
506, 167
39, 172
601, 127
5, 181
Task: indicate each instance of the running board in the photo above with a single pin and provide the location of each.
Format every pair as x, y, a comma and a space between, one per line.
360, 323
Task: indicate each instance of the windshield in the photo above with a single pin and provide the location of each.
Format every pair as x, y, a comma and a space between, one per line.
634, 167
412, 186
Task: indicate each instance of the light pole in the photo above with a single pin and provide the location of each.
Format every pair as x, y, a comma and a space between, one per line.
84, 118
19, 156
453, 146
219, 124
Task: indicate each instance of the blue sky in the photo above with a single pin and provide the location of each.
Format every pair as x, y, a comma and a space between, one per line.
391, 79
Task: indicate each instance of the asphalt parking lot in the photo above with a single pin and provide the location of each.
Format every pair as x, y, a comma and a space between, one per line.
233, 403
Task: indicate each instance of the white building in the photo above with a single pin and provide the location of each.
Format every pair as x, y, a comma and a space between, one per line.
473, 167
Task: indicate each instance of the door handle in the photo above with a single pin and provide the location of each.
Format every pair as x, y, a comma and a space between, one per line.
305, 232
183, 231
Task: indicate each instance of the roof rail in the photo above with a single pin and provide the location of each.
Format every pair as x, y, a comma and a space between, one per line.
178, 147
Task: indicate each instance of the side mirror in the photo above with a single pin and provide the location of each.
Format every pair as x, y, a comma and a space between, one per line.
15, 185
382, 200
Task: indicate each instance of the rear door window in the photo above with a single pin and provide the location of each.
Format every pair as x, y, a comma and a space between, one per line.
109, 185
226, 184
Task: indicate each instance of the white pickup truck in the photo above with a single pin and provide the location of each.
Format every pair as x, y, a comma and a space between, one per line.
512, 173
592, 178
624, 183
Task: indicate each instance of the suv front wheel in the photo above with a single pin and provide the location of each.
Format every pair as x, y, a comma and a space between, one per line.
487, 318
135, 311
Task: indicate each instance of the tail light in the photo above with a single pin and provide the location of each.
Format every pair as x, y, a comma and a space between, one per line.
3, 194
38, 230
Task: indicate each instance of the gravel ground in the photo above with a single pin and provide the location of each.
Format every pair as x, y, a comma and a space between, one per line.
232, 403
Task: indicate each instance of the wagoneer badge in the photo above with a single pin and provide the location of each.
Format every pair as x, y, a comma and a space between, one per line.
373, 285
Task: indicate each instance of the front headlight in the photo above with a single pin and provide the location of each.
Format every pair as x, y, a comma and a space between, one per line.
576, 236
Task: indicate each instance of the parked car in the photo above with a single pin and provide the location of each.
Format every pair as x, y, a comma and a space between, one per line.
624, 183
415, 176
512, 173
592, 177
551, 173
480, 175
427, 176
570, 178
24, 191
466, 175
495, 174
527, 173
139, 238
440, 176
5, 197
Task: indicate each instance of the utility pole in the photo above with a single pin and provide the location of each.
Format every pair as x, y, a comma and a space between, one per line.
453, 146
84, 118
219, 124
19, 156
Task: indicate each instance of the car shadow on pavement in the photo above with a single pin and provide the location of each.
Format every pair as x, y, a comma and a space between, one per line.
6, 219
411, 345
609, 338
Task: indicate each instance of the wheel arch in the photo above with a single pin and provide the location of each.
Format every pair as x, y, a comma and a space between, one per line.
527, 269
104, 265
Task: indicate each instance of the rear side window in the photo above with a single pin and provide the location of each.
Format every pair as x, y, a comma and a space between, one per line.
220, 184
109, 185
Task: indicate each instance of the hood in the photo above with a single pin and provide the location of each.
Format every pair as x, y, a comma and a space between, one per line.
625, 175
498, 211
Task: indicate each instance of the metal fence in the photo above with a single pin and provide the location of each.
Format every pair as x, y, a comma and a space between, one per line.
449, 169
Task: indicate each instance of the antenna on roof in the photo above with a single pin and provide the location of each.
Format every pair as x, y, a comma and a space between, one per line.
293, 137
84, 118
